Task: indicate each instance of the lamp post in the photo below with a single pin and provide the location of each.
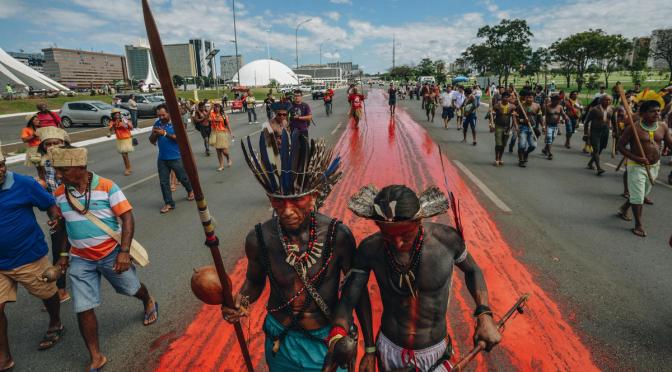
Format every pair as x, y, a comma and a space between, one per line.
321, 50
235, 40
296, 39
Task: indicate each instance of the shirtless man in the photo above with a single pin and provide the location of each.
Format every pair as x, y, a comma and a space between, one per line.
529, 110
651, 132
573, 108
554, 113
431, 100
302, 253
503, 111
598, 122
424, 92
413, 264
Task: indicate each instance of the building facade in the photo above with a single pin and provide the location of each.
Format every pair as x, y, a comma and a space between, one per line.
204, 53
322, 74
80, 69
657, 63
137, 61
32, 60
228, 66
181, 59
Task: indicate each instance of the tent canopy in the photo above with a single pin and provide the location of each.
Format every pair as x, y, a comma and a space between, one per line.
262, 71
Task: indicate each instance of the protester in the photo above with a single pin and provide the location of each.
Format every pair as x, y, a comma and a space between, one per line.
477, 94
392, 98
643, 155
30, 137
356, 100
279, 121
133, 109
527, 117
47, 117
23, 254
573, 109
458, 102
599, 121
201, 121
250, 105
430, 100
121, 128
268, 101
447, 109
470, 106
503, 120
300, 114
221, 136
88, 201
163, 135
555, 113
328, 101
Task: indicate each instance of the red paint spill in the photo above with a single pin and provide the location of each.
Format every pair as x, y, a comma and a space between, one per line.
383, 151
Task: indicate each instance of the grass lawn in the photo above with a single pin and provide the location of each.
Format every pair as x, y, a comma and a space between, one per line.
28, 105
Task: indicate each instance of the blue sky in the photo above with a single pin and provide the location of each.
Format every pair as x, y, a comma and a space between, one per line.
357, 30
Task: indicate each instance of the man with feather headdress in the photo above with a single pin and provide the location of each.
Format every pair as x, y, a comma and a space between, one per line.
300, 251
412, 261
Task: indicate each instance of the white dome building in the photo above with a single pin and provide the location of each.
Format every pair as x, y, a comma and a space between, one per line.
261, 71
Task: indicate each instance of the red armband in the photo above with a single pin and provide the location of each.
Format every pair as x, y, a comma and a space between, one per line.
336, 333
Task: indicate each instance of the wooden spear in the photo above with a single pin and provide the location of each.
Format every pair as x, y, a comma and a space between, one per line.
529, 123
211, 239
628, 111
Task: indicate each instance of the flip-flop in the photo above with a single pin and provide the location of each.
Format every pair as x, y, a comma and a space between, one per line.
66, 298
639, 233
99, 368
154, 311
165, 210
623, 216
51, 338
9, 368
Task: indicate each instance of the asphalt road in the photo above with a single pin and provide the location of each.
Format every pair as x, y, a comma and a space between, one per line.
611, 286
175, 245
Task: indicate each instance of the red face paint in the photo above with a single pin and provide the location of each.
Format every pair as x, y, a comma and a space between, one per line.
292, 211
399, 234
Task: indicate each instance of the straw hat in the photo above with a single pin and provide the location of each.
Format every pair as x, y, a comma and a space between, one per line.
52, 133
72, 157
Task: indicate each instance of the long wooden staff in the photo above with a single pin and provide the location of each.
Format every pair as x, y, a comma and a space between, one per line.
517, 307
628, 111
527, 119
211, 239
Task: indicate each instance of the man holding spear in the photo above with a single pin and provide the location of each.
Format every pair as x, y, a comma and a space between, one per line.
643, 153
528, 115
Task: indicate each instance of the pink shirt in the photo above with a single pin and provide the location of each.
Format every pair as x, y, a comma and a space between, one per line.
47, 120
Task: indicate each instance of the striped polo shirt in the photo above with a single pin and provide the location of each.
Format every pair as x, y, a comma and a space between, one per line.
107, 203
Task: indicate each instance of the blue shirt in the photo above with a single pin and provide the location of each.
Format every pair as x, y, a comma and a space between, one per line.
21, 238
168, 148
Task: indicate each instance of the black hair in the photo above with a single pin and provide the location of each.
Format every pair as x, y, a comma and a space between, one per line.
467, 91
407, 203
526, 93
161, 106
30, 124
506, 95
648, 105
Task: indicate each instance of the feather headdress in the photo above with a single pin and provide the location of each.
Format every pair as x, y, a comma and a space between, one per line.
294, 169
432, 203
649, 95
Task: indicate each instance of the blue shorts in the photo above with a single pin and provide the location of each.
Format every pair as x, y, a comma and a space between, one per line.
298, 352
469, 121
447, 113
85, 275
551, 131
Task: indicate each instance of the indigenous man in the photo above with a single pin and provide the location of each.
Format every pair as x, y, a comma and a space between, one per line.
356, 103
413, 264
447, 110
424, 92
651, 132
201, 120
470, 106
300, 251
598, 122
122, 130
554, 114
503, 111
528, 114
458, 102
279, 121
88, 203
430, 104
268, 101
573, 108
23, 254
392, 98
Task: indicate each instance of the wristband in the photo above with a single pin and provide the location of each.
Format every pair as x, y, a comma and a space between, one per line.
482, 309
336, 333
64, 254
370, 350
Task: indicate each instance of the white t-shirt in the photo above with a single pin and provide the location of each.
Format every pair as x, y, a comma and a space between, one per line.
446, 99
477, 93
458, 98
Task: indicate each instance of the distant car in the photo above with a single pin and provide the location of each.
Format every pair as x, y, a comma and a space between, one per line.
318, 91
237, 105
304, 88
88, 112
147, 103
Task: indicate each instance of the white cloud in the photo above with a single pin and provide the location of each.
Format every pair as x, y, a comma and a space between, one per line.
330, 55
334, 16
341, 1
10, 8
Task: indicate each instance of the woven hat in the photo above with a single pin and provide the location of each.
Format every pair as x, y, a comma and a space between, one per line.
51, 133
433, 202
72, 157
296, 168
115, 110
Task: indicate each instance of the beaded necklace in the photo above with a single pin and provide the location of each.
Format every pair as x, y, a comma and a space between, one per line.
651, 131
294, 255
407, 275
87, 196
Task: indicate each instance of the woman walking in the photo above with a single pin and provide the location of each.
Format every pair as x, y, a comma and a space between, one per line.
30, 137
122, 129
221, 137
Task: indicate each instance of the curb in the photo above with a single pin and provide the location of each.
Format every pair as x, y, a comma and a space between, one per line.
4, 116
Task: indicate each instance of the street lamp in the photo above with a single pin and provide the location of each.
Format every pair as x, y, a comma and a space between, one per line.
296, 39
235, 37
268, 48
321, 49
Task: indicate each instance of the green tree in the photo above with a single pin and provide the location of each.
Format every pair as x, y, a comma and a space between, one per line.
577, 50
638, 55
662, 47
404, 73
537, 62
426, 67
508, 44
480, 57
440, 68
611, 54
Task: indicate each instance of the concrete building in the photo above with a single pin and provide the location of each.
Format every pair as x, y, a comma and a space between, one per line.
321, 73
640, 49
32, 60
204, 53
137, 61
181, 59
83, 70
657, 63
228, 67
23, 78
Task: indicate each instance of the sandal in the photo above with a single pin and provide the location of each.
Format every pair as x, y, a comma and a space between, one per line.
623, 216
98, 369
166, 209
51, 338
191, 196
640, 233
155, 311
648, 201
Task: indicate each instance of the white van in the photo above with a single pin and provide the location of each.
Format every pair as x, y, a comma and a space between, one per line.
426, 79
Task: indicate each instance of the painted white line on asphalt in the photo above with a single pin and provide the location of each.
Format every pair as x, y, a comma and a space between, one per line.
335, 129
21, 114
661, 183
486, 190
136, 183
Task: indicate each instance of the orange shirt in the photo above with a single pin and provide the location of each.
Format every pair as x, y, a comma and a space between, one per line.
219, 122
121, 129
28, 132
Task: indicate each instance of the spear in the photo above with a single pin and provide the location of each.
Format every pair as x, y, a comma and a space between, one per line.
529, 123
211, 239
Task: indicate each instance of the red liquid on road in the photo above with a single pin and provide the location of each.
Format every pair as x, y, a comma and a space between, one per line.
383, 151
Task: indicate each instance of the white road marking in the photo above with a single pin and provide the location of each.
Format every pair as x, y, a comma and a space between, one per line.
335, 129
661, 183
136, 183
486, 190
